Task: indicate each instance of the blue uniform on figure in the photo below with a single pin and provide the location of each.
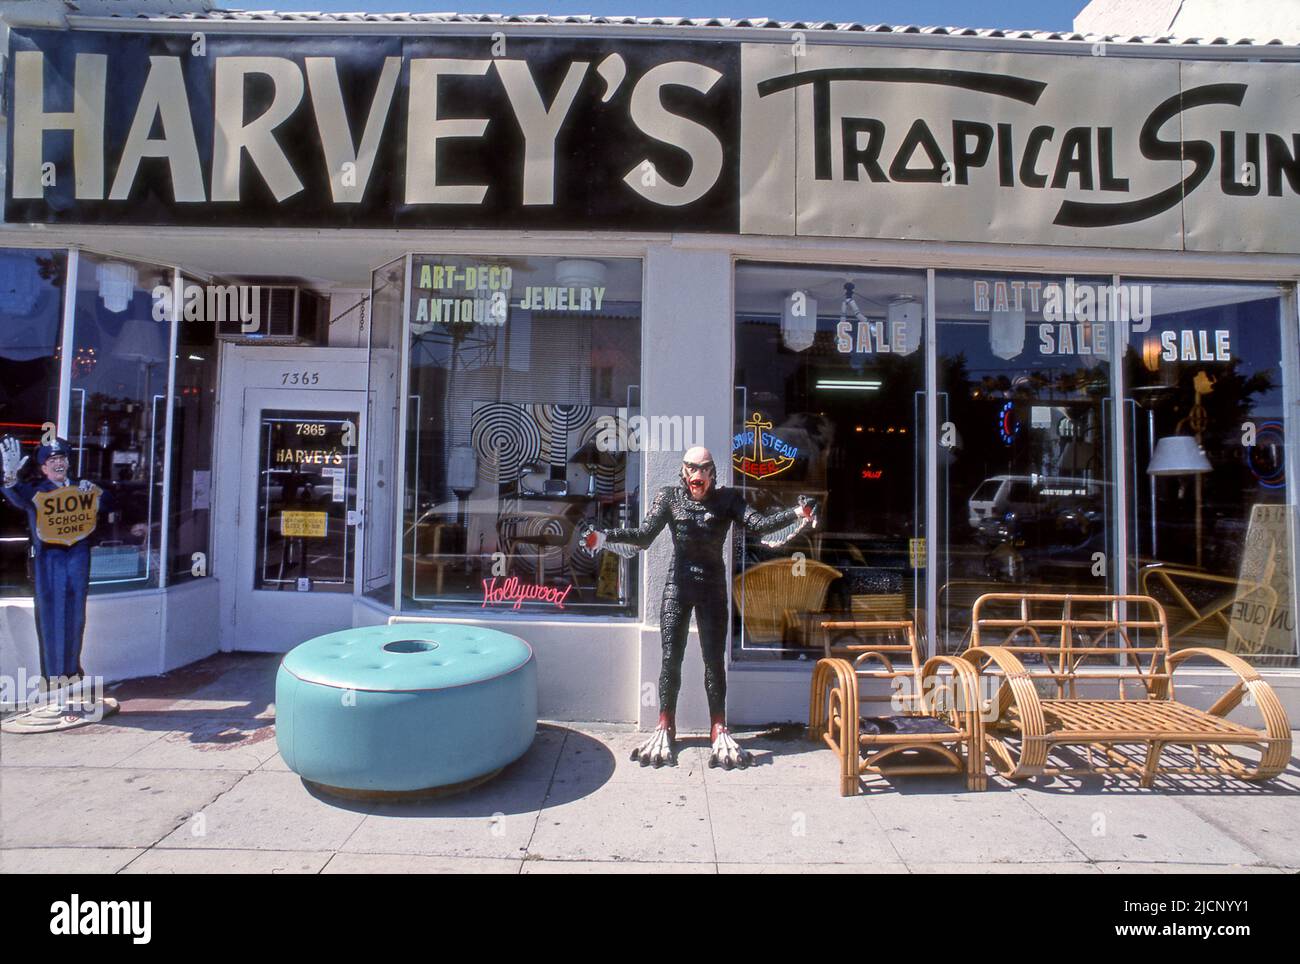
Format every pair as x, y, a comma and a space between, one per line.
62, 572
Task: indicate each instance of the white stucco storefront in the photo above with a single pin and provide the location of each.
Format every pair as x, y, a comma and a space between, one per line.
709, 168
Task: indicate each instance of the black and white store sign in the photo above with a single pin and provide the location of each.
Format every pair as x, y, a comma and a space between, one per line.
786, 138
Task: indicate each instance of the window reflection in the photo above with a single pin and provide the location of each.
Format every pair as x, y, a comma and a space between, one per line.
523, 382
118, 410
829, 403
31, 317
1025, 440
1212, 527
193, 426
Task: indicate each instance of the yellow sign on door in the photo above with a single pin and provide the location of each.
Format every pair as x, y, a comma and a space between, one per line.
303, 525
66, 515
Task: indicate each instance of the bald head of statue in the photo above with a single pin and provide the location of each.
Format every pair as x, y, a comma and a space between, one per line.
699, 474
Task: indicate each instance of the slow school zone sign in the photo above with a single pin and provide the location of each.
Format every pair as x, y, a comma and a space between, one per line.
66, 515
781, 137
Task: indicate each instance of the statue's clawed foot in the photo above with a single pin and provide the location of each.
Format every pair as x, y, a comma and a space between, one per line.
657, 751
726, 752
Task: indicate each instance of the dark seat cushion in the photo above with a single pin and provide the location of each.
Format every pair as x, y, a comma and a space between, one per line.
885, 725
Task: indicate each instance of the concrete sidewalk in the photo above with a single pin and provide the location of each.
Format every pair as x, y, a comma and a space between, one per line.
187, 778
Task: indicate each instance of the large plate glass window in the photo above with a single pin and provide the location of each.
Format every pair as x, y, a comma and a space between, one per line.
1213, 520
1026, 499
523, 379
829, 403
384, 339
194, 405
31, 315
117, 411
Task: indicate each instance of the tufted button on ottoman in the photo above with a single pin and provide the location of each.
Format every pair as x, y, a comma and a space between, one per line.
408, 707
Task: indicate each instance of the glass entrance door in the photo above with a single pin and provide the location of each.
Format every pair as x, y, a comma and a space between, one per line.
306, 492
302, 467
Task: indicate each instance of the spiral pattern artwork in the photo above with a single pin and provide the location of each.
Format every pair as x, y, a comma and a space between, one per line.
505, 435
556, 422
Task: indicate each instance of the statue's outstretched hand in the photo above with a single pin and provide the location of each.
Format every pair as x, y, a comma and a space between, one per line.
592, 539
11, 458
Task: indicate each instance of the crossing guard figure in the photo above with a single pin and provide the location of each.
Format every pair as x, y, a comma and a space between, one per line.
699, 514
61, 515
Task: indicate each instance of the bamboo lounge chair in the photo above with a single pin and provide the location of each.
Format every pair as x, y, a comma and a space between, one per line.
935, 728
1040, 723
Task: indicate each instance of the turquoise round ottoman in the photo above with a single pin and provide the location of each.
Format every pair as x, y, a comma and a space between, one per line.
407, 707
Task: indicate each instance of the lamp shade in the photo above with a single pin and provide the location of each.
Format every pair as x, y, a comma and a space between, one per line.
1178, 455
799, 321
904, 317
1007, 332
116, 284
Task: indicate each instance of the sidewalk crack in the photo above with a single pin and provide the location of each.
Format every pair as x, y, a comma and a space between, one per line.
183, 820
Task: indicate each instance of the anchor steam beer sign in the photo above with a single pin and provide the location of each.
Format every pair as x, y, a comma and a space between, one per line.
1090, 146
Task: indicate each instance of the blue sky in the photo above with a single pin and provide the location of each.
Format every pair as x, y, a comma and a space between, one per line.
1031, 14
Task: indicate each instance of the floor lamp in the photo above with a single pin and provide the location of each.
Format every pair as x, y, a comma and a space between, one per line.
1181, 455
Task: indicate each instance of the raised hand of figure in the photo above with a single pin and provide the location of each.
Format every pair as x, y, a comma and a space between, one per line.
85, 485
658, 750
592, 539
11, 458
727, 752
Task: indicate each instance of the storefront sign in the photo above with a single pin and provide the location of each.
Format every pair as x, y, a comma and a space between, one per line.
66, 515
304, 525
511, 590
759, 454
449, 294
780, 137
300, 457
1008, 424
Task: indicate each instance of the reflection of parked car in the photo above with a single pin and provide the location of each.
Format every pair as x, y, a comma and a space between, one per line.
1060, 534
1027, 495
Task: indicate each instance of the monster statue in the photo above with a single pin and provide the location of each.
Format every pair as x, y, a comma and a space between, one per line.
700, 515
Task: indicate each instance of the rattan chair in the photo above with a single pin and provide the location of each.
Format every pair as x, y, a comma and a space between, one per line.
765, 593
934, 726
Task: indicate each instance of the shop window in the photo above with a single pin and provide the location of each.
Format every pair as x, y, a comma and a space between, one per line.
522, 377
31, 317
193, 424
829, 403
382, 333
1212, 520
117, 412
1026, 498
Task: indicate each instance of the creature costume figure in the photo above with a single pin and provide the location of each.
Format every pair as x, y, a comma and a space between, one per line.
701, 514
62, 571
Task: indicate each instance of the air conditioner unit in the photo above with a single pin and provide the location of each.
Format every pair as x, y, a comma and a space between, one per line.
276, 314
